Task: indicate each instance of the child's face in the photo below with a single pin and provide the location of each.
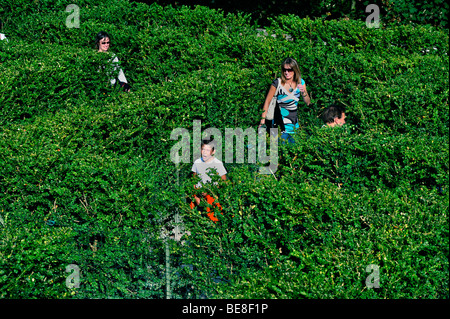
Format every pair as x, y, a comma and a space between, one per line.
207, 153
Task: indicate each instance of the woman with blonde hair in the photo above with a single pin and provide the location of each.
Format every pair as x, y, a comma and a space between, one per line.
287, 90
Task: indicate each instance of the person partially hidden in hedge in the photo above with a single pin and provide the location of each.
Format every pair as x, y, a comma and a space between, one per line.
103, 43
334, 116
288, 90
202, 167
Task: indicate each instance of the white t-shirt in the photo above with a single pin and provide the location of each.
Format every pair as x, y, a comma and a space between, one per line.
121, 75
203, 168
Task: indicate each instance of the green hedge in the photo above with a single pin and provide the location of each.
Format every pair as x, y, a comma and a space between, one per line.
86, 177
391, 12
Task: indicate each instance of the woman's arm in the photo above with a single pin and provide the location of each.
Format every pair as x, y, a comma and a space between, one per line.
304, 94
269, 97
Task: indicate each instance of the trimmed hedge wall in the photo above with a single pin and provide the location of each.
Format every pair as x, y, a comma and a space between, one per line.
86, 176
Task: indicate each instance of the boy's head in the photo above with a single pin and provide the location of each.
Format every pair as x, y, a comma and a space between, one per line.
208, 150
334, 115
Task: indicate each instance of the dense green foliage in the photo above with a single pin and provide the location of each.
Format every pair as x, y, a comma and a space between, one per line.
392, 12
86, 177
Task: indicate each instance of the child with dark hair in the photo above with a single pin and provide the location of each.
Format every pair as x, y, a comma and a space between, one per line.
202, 167
334, 115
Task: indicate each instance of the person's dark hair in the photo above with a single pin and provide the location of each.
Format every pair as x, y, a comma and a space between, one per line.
211, 143
332, 112
101, 35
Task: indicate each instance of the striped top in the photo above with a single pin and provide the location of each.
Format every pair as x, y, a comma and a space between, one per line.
288, 102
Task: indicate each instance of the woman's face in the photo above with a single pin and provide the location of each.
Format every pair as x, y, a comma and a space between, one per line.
288, 72
103, 45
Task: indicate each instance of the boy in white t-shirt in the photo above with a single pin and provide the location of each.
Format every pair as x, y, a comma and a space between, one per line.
203, 167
